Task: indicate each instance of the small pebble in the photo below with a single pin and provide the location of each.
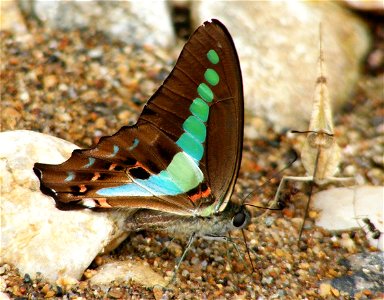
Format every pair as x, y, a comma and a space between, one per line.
158, 293
4, 269
27, 278
3, 285
115, 293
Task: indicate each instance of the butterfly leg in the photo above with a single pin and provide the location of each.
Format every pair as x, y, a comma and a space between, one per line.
190, 241
230, 240
165, 248
226, 239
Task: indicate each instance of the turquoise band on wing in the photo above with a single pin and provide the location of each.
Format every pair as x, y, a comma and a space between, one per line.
191, 146
195, 127
181, 175
205, 92
199, 108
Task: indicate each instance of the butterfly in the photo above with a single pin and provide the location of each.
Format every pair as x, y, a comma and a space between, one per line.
178, 165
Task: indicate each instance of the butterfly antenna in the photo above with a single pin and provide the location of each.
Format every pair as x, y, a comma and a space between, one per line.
248, 252
257, 206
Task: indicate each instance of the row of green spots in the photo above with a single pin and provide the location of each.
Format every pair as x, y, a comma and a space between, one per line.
191, 141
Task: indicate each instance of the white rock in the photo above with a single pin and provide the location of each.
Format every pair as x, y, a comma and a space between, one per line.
126, 270
11, 18
278, 46
345, 208
4, 296
134, 22
35, 235
371, 5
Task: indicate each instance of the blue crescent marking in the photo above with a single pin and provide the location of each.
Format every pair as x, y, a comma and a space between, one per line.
91, 161
70, 177
115, 150
134, 144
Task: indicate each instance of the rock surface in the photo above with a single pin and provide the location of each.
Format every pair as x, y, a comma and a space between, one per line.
278, 46
35, 235
134, 22
123, 271
346, 208
367, 273
376, 6
11, 18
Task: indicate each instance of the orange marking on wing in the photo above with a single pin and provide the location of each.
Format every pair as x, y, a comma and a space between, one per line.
83, 188
206, 193
103, 202
195, 197
200, 194
112, 167
140, 165
96, 176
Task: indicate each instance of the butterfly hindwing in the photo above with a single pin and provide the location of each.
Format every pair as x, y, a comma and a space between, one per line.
183, 155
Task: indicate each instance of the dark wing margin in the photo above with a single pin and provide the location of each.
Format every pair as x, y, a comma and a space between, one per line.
226, 123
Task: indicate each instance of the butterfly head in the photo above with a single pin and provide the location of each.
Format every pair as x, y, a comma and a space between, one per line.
241, 218
235, 216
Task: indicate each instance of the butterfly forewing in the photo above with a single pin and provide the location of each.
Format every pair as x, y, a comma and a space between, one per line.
183, 155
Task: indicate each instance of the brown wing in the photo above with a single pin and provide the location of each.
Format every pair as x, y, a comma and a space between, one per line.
136, 155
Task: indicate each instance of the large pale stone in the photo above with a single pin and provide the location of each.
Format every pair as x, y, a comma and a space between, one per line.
278, 46
345, 208
123, 271
134, 22
11, 18
35, 235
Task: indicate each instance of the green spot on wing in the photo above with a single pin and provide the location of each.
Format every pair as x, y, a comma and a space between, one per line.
190, 146
200, 109
213, 57
196, 128
211, 76
205, 92
184, 172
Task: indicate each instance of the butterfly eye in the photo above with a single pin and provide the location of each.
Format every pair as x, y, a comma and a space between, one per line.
239, 219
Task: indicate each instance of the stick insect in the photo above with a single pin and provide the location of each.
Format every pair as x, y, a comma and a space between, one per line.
320, 154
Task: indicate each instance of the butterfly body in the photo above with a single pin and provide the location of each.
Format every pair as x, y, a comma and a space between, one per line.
235, 216
179, 163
